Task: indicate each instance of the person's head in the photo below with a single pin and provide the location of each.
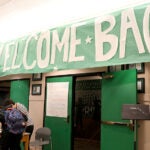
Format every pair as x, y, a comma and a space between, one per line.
8, 102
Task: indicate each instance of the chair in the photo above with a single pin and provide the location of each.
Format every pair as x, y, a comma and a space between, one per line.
42, 137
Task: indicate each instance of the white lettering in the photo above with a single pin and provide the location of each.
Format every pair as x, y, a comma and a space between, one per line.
128, 21
25, 58
73, 43
1, 49
14, 66
7, 55
102, 37
42, 63
146, 27
64, 42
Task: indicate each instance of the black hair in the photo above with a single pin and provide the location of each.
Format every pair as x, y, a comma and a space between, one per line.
8, 102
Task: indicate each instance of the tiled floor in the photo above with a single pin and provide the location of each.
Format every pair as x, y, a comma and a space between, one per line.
83, 144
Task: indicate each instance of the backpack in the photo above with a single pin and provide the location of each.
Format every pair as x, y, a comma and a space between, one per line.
14, 120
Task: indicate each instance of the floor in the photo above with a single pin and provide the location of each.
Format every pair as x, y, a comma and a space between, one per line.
85, 144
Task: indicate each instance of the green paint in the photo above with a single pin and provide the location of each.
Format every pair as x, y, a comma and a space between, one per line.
19, 91
119, 90
61, 129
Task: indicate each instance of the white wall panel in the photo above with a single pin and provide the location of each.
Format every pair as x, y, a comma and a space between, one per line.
36, 109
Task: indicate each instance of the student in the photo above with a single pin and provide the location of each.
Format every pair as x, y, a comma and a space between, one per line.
12, 133
29, 124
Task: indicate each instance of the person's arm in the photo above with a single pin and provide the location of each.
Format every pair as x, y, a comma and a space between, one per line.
23, 110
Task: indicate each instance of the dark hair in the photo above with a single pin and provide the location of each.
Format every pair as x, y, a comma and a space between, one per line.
8, 102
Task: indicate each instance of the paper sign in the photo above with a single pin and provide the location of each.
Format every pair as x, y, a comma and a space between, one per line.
57, 99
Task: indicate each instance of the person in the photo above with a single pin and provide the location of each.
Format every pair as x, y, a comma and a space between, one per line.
29, 124
10, 140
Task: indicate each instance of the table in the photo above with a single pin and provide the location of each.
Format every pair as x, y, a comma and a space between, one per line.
25, 140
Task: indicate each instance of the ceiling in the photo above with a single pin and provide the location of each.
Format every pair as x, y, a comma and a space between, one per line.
22, 17
3, 2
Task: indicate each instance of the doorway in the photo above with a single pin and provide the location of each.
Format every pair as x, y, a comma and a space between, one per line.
4, 91
87, 113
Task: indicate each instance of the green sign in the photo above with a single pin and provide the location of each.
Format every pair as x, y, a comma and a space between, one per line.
113, 39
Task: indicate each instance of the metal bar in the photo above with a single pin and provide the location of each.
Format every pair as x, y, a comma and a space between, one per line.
109, 76
129, 125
